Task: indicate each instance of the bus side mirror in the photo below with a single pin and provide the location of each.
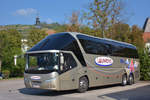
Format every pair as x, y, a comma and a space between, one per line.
61, 61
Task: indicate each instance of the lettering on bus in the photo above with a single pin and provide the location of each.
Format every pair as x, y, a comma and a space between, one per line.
103, 61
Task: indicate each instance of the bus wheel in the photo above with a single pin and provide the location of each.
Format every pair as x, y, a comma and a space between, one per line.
83, 84
124, 80
131, 80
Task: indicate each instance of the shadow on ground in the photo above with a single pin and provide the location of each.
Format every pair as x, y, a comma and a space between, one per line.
141, 93
103, 87
41, 92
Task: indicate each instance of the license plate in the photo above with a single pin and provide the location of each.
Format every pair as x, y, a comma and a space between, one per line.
36, 86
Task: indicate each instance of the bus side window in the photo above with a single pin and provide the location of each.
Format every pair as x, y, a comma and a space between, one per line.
69, 62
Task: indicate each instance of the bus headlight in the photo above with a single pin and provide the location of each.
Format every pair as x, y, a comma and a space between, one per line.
50, 80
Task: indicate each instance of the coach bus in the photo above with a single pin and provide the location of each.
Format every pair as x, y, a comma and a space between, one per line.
70, 60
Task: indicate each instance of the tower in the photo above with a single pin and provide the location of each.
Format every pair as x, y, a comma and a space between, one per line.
37, 20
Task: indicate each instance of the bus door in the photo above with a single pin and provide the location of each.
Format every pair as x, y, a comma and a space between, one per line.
68, 78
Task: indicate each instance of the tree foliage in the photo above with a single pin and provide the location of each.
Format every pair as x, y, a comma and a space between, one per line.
55, 26
123, 32
136, 37
74, 24
10, 44
103, 13
119, 31
144, 64
35, 35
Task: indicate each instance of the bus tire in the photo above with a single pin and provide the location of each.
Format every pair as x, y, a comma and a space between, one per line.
83, 84
131, 79
124, 80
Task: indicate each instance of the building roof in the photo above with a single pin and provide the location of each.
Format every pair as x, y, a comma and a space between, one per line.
146, 26
50, 31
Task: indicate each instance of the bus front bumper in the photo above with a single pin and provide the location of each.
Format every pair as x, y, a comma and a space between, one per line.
44, 84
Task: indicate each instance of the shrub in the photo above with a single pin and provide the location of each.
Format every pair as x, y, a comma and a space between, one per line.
144, 64
18, 70
6, 74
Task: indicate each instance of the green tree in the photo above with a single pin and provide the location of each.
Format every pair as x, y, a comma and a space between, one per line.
10, 44
144, 64
61, 28
136, 37
1, 43
35, 35
119, 31
87, 30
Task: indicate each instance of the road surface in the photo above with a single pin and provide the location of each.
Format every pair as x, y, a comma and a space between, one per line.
15, 90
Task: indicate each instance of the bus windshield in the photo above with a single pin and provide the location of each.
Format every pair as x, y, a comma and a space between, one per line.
42, 62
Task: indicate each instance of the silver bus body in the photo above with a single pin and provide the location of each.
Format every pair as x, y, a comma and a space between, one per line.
79, 62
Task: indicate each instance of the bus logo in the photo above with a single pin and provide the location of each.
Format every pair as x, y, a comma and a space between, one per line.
35, 77
103, 61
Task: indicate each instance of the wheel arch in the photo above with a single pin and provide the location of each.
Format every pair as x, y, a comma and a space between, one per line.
132, 74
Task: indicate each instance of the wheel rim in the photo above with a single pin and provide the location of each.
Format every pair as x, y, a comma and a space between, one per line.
83, 84
124, 80
131, 80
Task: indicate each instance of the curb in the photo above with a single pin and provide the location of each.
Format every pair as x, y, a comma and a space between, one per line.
11, 79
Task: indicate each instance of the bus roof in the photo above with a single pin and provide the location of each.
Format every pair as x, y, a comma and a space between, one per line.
106, 39
58, 41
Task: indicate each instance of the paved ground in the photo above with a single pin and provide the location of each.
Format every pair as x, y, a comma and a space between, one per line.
15, 90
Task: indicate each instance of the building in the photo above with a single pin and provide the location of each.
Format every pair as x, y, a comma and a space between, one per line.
146, 34
24, 46
37, 21
50, 31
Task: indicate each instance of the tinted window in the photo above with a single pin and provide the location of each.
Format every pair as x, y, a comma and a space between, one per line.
54, 42
60, 41
73, 46
93, 45
123, 51
69, 62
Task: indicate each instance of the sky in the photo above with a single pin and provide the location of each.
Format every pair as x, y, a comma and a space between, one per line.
25, 11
